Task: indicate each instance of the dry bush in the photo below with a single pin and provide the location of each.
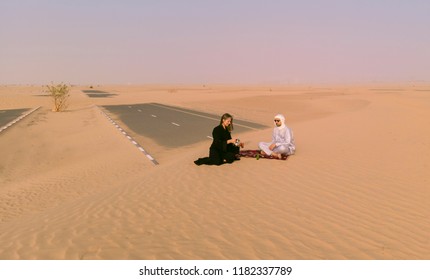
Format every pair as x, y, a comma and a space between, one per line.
59, 94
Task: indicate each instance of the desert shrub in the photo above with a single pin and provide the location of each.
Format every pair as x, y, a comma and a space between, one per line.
59, 94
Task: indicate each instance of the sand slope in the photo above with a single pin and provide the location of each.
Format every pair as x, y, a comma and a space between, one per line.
72, 187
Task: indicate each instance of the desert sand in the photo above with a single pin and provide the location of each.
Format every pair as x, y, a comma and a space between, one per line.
73, 187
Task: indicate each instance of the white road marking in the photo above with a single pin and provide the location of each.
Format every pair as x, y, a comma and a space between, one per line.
18, 119
154, 116
129, 138
139, 110
202, 116
175, 124
209, 137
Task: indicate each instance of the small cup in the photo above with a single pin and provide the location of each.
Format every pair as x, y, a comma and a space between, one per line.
237, 143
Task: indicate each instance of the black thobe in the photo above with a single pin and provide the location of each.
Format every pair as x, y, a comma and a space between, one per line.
220, 152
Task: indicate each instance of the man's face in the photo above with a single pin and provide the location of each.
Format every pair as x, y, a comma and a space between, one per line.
278, 122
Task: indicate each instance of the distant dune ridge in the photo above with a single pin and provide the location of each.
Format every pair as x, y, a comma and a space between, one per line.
73, 187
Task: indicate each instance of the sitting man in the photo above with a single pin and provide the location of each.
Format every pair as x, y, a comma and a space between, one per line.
282, 140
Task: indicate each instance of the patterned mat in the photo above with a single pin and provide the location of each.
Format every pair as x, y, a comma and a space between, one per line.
256, 154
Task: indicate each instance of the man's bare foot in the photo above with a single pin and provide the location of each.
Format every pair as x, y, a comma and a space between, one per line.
276, 155
263, 153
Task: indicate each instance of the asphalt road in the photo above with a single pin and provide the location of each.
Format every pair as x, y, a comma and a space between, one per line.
97, 93
173, 126
6, 116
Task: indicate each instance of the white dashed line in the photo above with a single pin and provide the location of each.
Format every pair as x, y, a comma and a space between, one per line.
209, 137
139, 110
154, 116
199, 115
129, 137
175, 124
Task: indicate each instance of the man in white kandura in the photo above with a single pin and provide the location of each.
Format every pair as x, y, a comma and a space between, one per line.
282, 140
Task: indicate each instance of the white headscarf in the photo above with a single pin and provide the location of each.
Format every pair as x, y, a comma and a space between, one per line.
282, 118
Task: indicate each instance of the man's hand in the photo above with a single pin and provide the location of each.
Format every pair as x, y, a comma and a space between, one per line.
271, 147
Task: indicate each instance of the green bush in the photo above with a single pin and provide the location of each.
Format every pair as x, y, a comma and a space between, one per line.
59, 94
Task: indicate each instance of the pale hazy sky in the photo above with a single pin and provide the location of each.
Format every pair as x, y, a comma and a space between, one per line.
208, 41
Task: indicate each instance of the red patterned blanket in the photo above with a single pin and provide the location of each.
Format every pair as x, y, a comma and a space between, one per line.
256, 154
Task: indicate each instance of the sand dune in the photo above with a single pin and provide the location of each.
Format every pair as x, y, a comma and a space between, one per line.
73, 187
